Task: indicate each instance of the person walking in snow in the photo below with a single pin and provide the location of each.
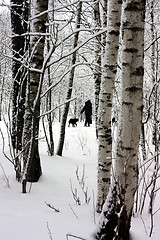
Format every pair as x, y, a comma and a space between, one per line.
87, 109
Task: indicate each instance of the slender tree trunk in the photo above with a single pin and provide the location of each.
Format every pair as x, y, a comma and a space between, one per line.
49, 117
71, 77
19, 22
105, 101
31, 159
153, 68
97, 70
49, 97
117, 212
1, 93
19, 25
104, 23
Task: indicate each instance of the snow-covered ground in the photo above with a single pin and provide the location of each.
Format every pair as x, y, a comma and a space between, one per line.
29, 217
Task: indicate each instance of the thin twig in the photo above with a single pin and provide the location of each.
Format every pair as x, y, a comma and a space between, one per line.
70, 235
5, 176
52, 207
75, 194
144, 226
94, 208
49, 232
73, 211
156, 211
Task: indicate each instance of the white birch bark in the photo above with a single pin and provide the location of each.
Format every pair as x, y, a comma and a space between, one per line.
97, 69
31, 158
132, 99
104, 23
117, 212
105, 101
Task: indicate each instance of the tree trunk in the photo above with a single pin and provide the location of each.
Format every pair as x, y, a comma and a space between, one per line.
1, 93
104, 23
105, 101
31, 159
49, 96
19, 20
69, 93
97, 69
117, 212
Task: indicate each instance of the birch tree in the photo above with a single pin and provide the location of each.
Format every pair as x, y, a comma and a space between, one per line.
31, 159
70, 85
50, 28
116, 216
98, 51
19, 24
105, 101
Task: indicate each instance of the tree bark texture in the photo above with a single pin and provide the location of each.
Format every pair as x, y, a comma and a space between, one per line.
116, 216
69, 92
19, 24
49, 96
97, 70
104, 23
31, 159
105, 101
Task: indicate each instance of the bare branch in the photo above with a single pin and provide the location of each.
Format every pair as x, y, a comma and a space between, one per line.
52, 207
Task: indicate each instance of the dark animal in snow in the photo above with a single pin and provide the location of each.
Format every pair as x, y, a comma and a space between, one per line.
73, 121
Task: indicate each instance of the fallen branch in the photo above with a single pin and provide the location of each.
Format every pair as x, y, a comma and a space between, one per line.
52, 207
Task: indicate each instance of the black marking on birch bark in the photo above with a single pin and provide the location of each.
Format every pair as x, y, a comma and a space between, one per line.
101, 165
140, 108
108, 130
130, 39
108, 164
101, 146
114, 32
112, 68
106, 135
106, 180
127, 103
103, 169
139, 71
133, 6
126, 23
114, 11
119, 155
128, 148
125, 64
109, 141
109, 105
136, 29
131, 50
118, 24
133, 89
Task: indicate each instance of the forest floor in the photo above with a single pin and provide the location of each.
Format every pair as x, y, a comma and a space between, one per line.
62, 204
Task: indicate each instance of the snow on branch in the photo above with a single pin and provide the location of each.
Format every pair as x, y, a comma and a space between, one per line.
55, 84
51, 10
50, 111
79, 46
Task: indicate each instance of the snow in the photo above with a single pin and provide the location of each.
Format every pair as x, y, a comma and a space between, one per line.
27, 216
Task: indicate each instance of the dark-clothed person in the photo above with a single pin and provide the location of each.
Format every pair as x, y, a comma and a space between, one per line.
87, 109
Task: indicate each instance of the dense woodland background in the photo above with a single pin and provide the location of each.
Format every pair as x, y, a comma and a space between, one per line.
54, 56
